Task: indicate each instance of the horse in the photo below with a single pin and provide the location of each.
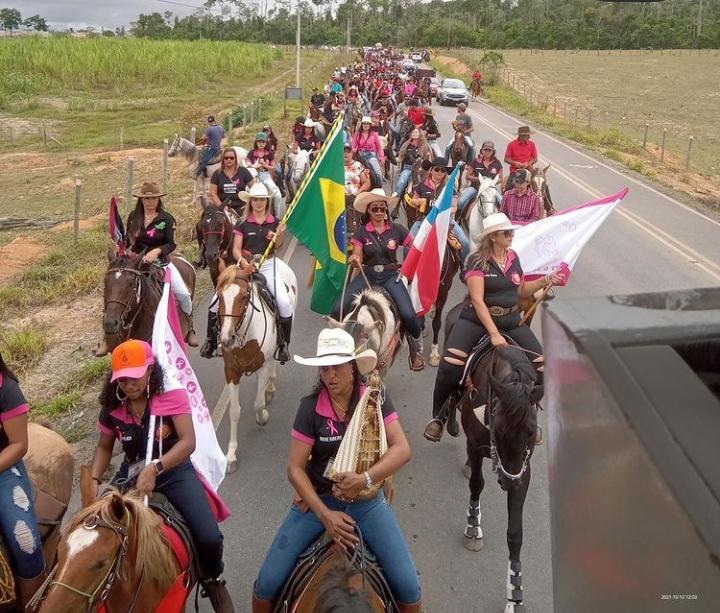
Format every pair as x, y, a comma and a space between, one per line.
191, 153
295, 167
215, 238
248, 337
115, 552
450, 267
131, 295
539, 184
475, 212
459, 151
50, 465
498, 411
476, 89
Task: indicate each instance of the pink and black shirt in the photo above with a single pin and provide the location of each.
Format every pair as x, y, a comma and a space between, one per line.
318, 425
12, 404
501, 285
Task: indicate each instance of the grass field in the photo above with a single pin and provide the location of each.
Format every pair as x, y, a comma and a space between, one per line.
676, 90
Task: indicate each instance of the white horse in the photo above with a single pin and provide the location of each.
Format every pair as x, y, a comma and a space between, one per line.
296, 165
191, 153
248, 337
486, 204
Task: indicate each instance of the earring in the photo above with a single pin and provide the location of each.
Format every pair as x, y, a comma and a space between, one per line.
117, 395
147, 389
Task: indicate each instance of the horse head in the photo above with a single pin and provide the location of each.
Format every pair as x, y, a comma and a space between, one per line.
514, 413
371, 322
459, 139
488, 193
175, 147
215, 230
122, 294
235, 291
538, 180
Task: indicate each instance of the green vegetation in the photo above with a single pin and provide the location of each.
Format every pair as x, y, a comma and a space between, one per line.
57, 405
23, 348
90, 371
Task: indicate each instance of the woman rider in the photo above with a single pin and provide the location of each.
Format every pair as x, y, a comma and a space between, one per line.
321, 504
495, 282
366, 143
263, 159
486, 165
414, 149
375, 247
432, 131
18, 524
307, 140
134, 391
228, 181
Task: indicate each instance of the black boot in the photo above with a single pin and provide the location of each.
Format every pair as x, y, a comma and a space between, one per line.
209, 348
284, 327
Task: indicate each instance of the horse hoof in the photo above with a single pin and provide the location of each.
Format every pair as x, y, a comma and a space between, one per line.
231, 467
473, 544
262, 417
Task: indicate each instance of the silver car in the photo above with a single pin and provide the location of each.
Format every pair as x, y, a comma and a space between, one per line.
452, 91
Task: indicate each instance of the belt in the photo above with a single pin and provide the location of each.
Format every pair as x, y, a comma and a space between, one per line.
382, 267
498, 311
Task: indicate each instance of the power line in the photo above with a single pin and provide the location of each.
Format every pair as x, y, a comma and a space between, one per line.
192, 6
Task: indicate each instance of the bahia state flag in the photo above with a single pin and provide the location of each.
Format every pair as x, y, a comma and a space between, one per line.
424, 261
317, 219
115, 226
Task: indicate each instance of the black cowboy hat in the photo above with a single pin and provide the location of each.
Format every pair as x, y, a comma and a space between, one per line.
438, 161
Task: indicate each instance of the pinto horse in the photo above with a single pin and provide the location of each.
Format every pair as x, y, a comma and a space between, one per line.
539, 184
248, 337
131, 295
215, 238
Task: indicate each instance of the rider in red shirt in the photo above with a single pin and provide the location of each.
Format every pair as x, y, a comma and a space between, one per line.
521, 153
416, 113
477, 76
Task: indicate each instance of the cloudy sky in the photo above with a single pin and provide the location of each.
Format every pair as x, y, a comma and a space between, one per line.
61, 14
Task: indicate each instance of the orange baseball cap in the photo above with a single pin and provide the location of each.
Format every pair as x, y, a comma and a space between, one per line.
131, 359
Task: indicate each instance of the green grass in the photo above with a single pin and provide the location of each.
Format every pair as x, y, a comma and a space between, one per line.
57, 405
23, 348
91, 371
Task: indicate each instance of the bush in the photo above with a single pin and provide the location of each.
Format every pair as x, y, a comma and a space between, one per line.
22, 349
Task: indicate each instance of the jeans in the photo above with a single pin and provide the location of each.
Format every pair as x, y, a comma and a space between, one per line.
403, 179
183, 489
207, 154
372, 161
379, 529
457, 230
18, 523
390, 281
466, 198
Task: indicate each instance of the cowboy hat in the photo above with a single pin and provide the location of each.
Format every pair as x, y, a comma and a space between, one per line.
438, 161
258, 190
309, 123
524, 130
496, 222
488, 144
374, 195
366, 119
428, 111
149, 189
335, 346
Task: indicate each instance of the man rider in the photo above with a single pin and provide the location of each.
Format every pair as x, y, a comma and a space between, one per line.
317, 99
212, 140
464, 123
521, 153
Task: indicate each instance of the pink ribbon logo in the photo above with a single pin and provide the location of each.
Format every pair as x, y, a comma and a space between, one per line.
331, 427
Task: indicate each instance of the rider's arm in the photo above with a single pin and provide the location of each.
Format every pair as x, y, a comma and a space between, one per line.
169, 245
357, 252
16, 431
476, 287
280, 235
237, 245
103, 453
470, 175
214, 192
527, 288
297, 475
185, 445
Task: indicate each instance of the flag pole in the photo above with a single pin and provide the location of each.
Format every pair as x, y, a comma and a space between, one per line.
149, 447
331, 135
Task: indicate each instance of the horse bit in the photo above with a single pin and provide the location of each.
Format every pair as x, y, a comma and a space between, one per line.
127, 305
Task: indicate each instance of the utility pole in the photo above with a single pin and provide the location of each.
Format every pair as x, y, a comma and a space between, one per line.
699, 25
297, 49
349, 28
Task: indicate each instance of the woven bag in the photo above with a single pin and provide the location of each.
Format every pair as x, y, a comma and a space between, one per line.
7, 581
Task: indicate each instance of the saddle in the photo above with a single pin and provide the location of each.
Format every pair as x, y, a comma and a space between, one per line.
264, 291
313, 559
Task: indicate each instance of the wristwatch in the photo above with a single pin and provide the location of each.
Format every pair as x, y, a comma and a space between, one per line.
159, 468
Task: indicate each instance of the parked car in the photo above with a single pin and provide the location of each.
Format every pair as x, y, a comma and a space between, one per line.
416, 56
409, 66
452, 91
434, 86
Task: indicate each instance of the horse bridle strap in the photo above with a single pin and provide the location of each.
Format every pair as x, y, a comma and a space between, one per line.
129, 303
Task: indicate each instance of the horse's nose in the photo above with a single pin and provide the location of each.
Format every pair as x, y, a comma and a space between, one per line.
111, 326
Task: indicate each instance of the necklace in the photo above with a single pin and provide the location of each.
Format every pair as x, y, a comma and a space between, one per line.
342, 412
501, 261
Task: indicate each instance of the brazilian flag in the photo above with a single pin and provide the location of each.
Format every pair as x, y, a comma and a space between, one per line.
317, 219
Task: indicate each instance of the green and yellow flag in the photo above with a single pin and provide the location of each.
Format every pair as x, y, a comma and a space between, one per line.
317, 219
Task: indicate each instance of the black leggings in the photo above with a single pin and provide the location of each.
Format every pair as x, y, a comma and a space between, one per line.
463, 337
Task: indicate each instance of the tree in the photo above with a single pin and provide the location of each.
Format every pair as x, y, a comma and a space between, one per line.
36, 23
10, 19
151, 26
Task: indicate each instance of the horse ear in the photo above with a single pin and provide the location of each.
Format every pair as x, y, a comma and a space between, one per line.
111, 255
546, 168
536, 393
496, 180
333, 323
117, 506
87, 491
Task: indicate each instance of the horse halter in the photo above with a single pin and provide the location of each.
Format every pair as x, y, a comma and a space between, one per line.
130, 302
241, 317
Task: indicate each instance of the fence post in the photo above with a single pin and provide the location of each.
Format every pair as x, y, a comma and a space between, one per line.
687, 159
524, 85
530, 94
193, 134
565, 109
129, 186
165, 164
589, 120
647, 127
76, 225
605, 126
662, 149
122, 137
577, 114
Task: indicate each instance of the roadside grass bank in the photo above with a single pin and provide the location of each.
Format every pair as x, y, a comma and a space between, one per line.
611, 141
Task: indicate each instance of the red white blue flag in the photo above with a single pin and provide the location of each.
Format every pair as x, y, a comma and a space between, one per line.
116, 227
423, 264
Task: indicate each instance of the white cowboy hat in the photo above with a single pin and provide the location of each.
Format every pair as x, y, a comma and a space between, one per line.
309, 123
258, 190
366, 119
374, 195
496, 222
335, 346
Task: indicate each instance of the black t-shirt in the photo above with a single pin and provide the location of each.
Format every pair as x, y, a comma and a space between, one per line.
491, 170
256, 236
317, 425
411, 155
501, 288
160, 232
119, 422
229, 187
12, 404
381, 248
307, 143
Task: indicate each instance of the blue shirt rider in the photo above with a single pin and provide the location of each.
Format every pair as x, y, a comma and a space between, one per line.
212, 139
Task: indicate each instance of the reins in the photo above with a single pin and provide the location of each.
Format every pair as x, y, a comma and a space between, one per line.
127, 326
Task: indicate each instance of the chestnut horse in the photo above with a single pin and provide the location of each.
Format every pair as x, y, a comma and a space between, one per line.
215, 239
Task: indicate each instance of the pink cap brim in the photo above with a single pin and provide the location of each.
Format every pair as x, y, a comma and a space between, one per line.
131, 373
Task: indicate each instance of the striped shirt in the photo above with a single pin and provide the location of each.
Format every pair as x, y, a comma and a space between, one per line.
522, 209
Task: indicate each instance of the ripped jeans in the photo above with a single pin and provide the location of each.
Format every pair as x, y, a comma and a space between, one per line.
18, 523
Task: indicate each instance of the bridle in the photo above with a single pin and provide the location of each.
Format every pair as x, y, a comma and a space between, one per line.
134, 300
219, 233
241, 317
117, 570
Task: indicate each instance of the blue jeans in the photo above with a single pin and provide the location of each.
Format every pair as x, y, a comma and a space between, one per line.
18, 523
374, 163
208, 153
457, 230
466, 198
403, 179
388, 279
381, 533
183, 489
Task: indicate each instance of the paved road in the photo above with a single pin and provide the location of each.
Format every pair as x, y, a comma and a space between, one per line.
651, 243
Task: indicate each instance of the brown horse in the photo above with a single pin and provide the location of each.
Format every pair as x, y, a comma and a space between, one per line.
215, 238
412, 213
539, 184
459, 149
131, 296
476, 89
114, 552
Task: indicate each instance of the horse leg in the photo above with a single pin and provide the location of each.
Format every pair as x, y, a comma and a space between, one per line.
271, 388
473, 531
437, 319
264, 377
235, 409
516, 502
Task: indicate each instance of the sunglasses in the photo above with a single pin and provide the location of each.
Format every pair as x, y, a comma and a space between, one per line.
377, 209
439, 169
229, 157
507, 233
486, 149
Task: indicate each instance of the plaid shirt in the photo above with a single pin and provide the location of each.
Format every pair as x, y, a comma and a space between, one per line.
522, 209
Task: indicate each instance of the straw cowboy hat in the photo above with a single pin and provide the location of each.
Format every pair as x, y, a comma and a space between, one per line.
496, 222
309, 123
362, 201
149, 189
335, 346
258, 190
366, 119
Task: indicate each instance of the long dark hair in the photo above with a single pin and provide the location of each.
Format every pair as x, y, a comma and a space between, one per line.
135, 219
108, 395
5, 369
358, 380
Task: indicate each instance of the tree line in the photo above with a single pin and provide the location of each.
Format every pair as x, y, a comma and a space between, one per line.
12, 19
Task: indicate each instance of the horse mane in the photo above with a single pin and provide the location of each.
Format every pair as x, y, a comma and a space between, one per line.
150, 289
517, 408
227, 277
152, 549
372, 299
337, 595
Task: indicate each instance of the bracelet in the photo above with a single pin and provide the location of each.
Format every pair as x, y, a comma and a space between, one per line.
368, 480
